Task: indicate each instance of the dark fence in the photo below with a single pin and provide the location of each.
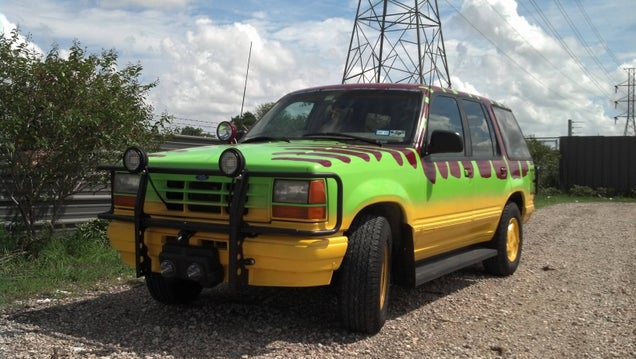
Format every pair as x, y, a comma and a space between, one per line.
85, 206
599, 162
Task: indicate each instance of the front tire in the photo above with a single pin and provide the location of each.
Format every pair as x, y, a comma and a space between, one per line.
171, 290
365, 275
508, 241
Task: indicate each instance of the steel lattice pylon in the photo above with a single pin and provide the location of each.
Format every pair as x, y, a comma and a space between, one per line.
397, 42
630, 100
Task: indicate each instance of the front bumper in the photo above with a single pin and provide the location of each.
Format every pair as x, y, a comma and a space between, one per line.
276, 260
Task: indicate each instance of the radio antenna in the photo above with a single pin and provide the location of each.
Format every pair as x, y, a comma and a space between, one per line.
249, 56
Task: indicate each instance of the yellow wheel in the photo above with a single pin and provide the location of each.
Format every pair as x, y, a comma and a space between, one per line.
508, 241
513, 239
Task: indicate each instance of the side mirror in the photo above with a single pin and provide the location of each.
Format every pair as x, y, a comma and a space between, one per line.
445, 142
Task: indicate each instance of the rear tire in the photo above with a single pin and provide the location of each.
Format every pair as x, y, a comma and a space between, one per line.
365, 275
172, 291
508, 241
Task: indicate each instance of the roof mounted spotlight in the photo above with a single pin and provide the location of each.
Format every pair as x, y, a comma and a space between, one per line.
226, 131
231, 162
135, 160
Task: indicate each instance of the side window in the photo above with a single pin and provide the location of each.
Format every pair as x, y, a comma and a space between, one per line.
480, 129
516, 146
443, 115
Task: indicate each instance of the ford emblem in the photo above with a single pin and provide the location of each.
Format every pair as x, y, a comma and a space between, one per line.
202, 177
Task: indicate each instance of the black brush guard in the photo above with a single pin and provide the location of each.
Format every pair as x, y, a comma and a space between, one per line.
237, 228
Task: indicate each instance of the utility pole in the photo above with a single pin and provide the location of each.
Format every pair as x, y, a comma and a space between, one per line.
571, 127
397, 42
630, 99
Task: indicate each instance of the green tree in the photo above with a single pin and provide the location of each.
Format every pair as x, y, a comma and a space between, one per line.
244, 122
60, 118
191, 131
547, 160
262, 109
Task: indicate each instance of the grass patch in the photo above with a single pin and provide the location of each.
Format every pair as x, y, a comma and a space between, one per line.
544, 200
69, 262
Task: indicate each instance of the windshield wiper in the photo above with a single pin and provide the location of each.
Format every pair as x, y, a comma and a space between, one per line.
339, 136
265, 139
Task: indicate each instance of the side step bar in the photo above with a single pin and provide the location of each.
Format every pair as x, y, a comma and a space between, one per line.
436, 268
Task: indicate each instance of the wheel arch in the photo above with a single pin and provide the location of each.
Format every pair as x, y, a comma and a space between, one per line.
403, 265
517, 198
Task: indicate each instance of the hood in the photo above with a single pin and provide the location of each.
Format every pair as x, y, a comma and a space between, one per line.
295, 156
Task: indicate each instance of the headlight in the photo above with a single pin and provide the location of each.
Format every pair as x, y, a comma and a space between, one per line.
125, 187
135, 160
299, 199
289, 191
126, 183
231, 162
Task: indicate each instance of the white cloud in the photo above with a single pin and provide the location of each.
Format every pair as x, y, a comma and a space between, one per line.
8, 27
527, 70
200, 59
205, 73
162, 4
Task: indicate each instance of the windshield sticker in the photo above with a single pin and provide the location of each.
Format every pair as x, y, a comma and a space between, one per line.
390, 133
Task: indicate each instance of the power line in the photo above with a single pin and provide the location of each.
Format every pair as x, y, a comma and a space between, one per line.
504, 53
536, 50
581, 39
567, 49
598, 35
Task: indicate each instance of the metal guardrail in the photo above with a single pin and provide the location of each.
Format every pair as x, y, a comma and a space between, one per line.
85, 206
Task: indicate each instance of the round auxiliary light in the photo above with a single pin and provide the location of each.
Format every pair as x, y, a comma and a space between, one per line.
231, 162
135, 160
226, 131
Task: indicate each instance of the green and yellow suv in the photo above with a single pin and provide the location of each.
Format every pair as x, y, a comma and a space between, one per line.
358, 186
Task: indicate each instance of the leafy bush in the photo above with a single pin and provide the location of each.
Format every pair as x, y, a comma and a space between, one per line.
93, 230
582, 191
547, 160
550, 191
61, 115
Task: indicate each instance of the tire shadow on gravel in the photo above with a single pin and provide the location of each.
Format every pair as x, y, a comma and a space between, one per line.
221, 322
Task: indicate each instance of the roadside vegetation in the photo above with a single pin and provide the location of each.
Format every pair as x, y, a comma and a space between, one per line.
71, 261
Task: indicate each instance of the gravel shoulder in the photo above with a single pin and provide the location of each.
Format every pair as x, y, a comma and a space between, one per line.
572, 296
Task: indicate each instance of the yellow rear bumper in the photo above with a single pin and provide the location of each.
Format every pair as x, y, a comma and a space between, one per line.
278, 260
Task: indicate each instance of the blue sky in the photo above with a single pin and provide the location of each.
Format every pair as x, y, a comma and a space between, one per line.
549, 60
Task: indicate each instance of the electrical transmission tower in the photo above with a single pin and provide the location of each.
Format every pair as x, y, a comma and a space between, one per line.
397, 42
630, 99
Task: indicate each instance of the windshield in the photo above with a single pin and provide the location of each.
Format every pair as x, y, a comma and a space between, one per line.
377, 115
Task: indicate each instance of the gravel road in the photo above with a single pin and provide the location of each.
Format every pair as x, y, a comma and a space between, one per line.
573, 296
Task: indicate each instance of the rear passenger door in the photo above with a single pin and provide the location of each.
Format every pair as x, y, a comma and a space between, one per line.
489, 170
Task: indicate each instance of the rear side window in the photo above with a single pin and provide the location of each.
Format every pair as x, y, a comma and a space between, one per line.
481, 134
511, 132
